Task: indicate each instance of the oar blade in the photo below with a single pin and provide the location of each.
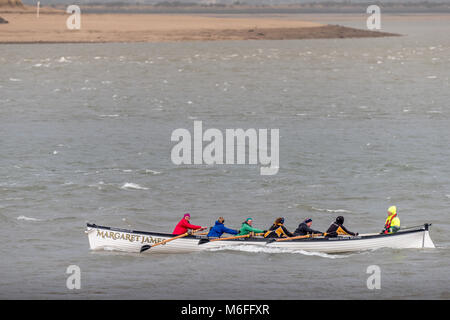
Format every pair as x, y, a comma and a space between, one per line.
203, 241
145, 248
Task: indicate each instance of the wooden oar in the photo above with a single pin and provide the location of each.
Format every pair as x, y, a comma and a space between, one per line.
294, 238
146, 247
202, 241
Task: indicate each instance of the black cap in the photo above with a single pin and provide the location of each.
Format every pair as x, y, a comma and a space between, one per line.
340, 220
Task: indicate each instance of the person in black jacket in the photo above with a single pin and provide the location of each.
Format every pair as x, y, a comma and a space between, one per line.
304, 228
337, 228
278, 230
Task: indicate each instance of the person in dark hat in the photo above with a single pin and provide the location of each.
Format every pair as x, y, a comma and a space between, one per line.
304, 228
337, 228
278, 230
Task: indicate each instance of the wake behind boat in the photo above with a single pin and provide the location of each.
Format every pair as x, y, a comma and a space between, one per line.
109, 238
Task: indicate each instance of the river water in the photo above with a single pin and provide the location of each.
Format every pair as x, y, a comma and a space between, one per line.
85, 137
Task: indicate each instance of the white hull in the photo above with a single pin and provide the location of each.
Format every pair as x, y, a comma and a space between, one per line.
105, 238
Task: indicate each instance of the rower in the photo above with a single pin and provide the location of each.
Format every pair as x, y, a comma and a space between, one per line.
219, 229
392, 223
184, 226
337, 228
304, 228
247, 228
278, 230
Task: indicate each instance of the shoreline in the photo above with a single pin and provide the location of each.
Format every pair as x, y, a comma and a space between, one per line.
26, 28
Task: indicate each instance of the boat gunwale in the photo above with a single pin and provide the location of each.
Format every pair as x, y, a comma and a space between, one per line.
422, 228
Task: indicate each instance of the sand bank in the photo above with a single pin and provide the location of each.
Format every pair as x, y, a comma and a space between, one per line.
51, 28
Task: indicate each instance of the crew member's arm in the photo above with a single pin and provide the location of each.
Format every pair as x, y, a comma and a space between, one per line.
286, 231
230, 231
309, 230
255, 230
191, 226
348, 232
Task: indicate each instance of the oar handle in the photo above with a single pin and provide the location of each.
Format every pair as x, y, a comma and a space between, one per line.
146, 247
293, 238
200, 234
171, 239
312, 235
231, 238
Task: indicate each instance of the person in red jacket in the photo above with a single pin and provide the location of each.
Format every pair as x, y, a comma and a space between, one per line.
183, 226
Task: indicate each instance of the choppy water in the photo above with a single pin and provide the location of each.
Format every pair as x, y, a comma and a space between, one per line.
85, 136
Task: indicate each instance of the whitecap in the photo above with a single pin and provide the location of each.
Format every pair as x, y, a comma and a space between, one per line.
27, 218
62, 59
11, 199
332, 210
130, 185
14, 79
152, 171
98, 185
268, 249
109, 115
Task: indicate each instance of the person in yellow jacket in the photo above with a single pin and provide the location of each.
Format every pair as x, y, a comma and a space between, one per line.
392, 224
278, 230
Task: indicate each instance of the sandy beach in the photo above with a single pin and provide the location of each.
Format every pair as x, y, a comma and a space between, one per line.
50, 27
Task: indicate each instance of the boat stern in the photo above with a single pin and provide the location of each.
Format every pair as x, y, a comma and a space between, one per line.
427, 242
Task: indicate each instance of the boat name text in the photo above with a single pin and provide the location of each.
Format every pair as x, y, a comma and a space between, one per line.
128, 236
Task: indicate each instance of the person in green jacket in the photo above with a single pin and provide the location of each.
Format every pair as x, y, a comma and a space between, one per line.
246, 228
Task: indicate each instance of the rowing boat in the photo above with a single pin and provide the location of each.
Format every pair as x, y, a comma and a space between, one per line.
109, 238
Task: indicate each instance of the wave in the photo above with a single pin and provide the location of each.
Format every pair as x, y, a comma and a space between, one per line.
11, 199
311, 208
331, 210
27, 218
130, 185
264, 249
109, 115
152, 172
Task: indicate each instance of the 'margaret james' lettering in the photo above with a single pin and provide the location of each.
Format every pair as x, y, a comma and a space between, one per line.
127, 236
